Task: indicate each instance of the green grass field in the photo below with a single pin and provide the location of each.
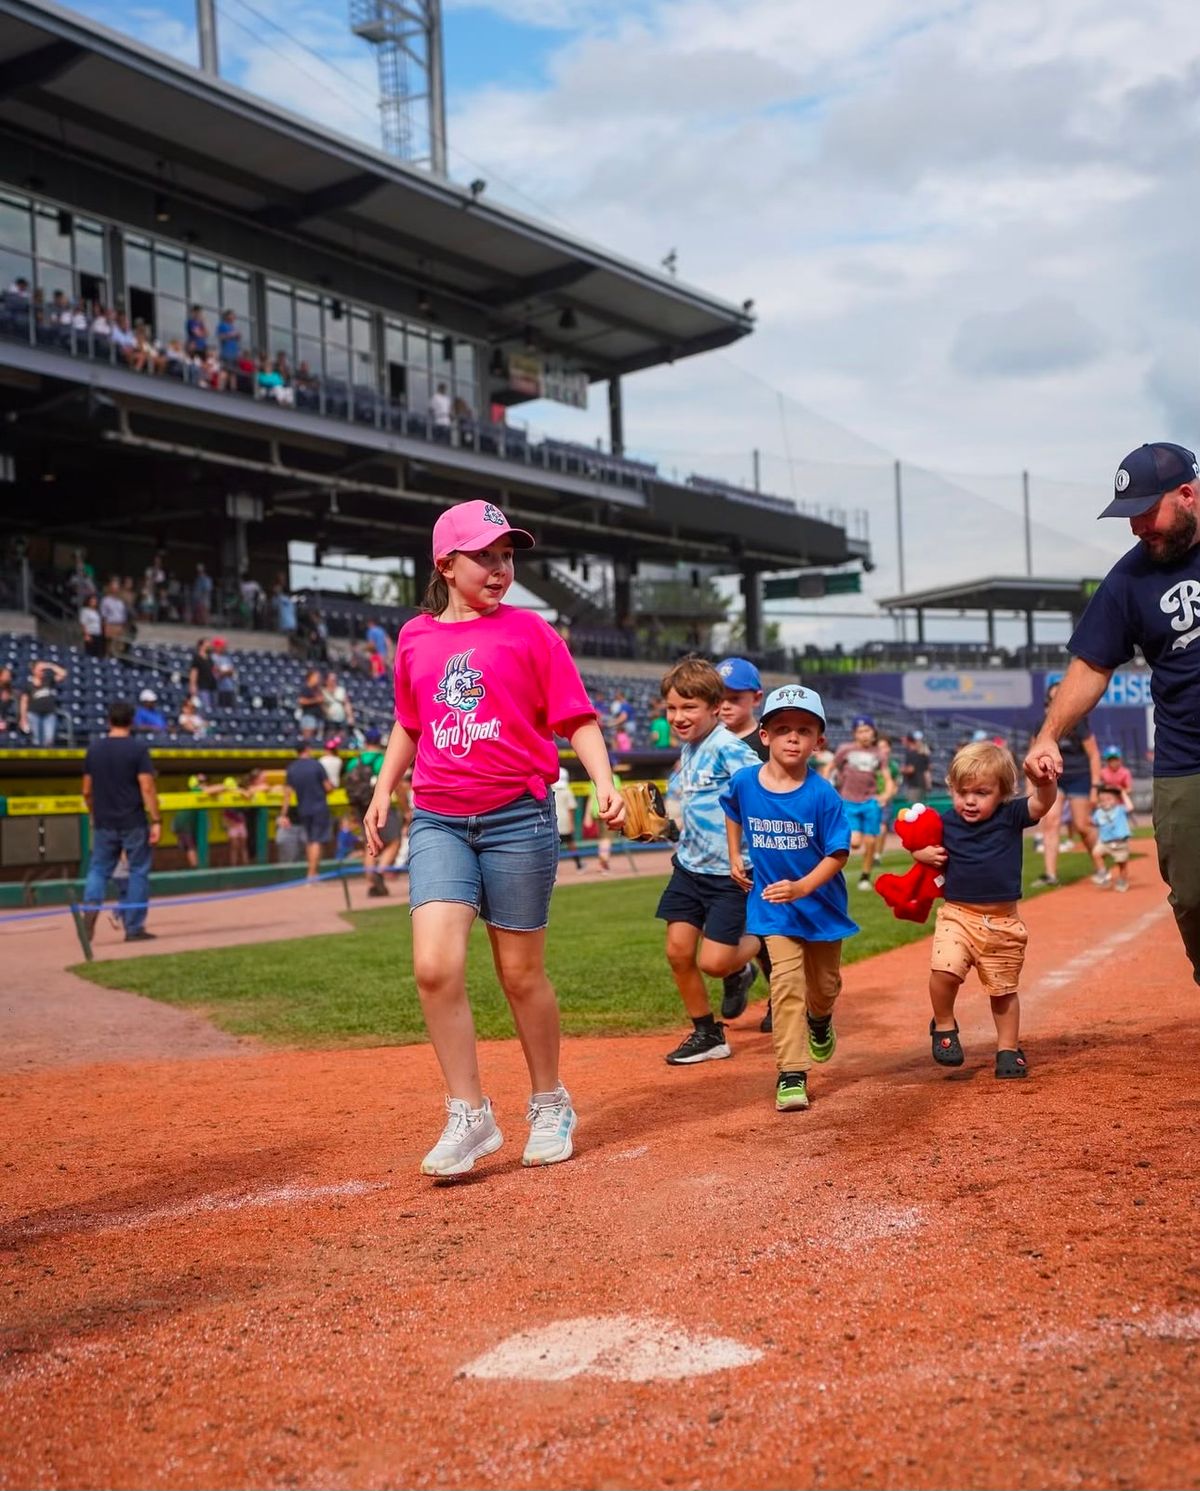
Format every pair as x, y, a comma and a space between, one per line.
605, 957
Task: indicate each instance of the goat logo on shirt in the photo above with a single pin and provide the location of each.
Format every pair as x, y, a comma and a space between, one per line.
1184, 600
460, 687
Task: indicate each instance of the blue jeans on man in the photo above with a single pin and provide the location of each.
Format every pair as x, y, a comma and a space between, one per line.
107, 846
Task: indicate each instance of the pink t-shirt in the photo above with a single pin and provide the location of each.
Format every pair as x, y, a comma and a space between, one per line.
486, 697
1116, 776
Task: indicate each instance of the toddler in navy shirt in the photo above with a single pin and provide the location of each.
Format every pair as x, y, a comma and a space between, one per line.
978, 925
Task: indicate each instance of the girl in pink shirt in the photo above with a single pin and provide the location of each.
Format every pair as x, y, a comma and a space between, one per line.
481, 690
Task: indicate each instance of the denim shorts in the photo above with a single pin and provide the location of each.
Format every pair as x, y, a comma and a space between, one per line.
502, 862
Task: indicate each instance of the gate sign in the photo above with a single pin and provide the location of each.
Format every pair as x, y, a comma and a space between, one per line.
1125, 690
966, 692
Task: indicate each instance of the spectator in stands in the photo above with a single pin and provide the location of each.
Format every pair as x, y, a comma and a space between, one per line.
148, 716
336, 704
743, 697
91, 625
464, 415
269, 382
192, 720
304, 380
251, 597
202, 589
212, 374
865, 783
310, 705
81, 582
202, 678
225, 674
309, 785
123, 339
39, 705
285, 610
229, 338
440, 411
115, 616
101, 330
19, 289
377, 633
376, 665
10, 704
118, 787
244, 371
147, 604
197, 333
618, 711
129, 596
147, 355
179, 363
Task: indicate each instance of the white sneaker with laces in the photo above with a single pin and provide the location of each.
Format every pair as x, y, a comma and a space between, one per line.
1101, 877
551, 1124
470, 1133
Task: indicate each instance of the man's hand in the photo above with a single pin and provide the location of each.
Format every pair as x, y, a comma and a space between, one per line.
785, 890
155, 833
934, 856
1043, 763
737, 872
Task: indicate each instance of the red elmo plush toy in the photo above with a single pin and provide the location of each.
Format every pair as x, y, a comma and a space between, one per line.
911, 896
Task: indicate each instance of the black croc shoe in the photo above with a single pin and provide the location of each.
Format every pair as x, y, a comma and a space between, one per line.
947, 1049
1011, 1064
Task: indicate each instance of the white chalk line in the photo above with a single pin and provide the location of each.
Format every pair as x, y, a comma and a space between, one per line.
216, 1203
1084, 964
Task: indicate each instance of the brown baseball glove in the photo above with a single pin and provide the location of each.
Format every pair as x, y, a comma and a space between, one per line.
645, 813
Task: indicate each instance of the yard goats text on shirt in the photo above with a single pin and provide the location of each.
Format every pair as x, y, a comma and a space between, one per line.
778, 833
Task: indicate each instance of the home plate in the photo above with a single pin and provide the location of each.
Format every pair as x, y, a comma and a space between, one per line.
622, 1347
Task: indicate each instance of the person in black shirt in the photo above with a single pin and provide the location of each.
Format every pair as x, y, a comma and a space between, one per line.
308, 782
978, 925
202, 678
1076, 799
118, 787
1150, 599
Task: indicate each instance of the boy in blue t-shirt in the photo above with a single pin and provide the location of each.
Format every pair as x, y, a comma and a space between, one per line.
703, 907
792, 826
978, 925
1112, 820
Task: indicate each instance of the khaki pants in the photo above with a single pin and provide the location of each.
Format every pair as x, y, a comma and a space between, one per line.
1177, 832
806, 979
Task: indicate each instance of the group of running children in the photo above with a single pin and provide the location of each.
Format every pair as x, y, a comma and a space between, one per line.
758, 874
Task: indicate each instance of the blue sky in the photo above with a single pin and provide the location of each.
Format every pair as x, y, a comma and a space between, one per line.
941, 223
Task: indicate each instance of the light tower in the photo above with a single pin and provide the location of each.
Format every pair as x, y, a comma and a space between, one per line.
407, 36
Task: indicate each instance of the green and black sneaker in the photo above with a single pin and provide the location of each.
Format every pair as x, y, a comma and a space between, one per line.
822, 1038
791, 1092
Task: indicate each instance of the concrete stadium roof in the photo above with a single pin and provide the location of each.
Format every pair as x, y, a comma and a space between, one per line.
77, 87
997, 593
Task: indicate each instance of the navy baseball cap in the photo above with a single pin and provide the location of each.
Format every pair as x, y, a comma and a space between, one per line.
793, 696
1148, 473
739, 674
372, 735
862, 719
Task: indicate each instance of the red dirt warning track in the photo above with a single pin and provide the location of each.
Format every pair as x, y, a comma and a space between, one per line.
227, 1271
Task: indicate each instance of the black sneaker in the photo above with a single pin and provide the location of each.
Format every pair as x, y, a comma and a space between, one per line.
767, 1023
378, 886
736, 991
142, 936
1046, 880
706, 1044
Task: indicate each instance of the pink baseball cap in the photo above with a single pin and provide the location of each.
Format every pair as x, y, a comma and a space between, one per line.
472, 526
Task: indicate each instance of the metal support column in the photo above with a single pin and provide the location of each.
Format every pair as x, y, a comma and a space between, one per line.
616, 418
991, 623
206, 30
752, 594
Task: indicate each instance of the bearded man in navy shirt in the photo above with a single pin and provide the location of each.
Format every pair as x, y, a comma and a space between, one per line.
1150, 599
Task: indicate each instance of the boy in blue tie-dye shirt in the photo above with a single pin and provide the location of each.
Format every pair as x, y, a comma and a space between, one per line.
703, 906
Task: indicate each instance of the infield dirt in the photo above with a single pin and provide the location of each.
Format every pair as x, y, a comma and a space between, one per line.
225, 1270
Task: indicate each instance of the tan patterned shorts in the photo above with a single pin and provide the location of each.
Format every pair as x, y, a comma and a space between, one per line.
990, 939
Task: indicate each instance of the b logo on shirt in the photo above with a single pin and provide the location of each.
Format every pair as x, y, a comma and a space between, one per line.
1184, 600
460, 687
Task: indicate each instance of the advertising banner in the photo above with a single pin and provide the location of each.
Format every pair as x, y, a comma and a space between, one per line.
965, 692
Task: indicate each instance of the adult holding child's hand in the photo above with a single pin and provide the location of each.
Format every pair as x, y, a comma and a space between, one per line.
482, 689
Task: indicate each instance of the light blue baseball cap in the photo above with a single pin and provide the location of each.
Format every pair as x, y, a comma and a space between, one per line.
793, 696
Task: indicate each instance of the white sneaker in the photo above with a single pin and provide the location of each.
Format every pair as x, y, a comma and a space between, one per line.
1121, 885
470, 1133
1101, 877
551, 1124
402, 854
